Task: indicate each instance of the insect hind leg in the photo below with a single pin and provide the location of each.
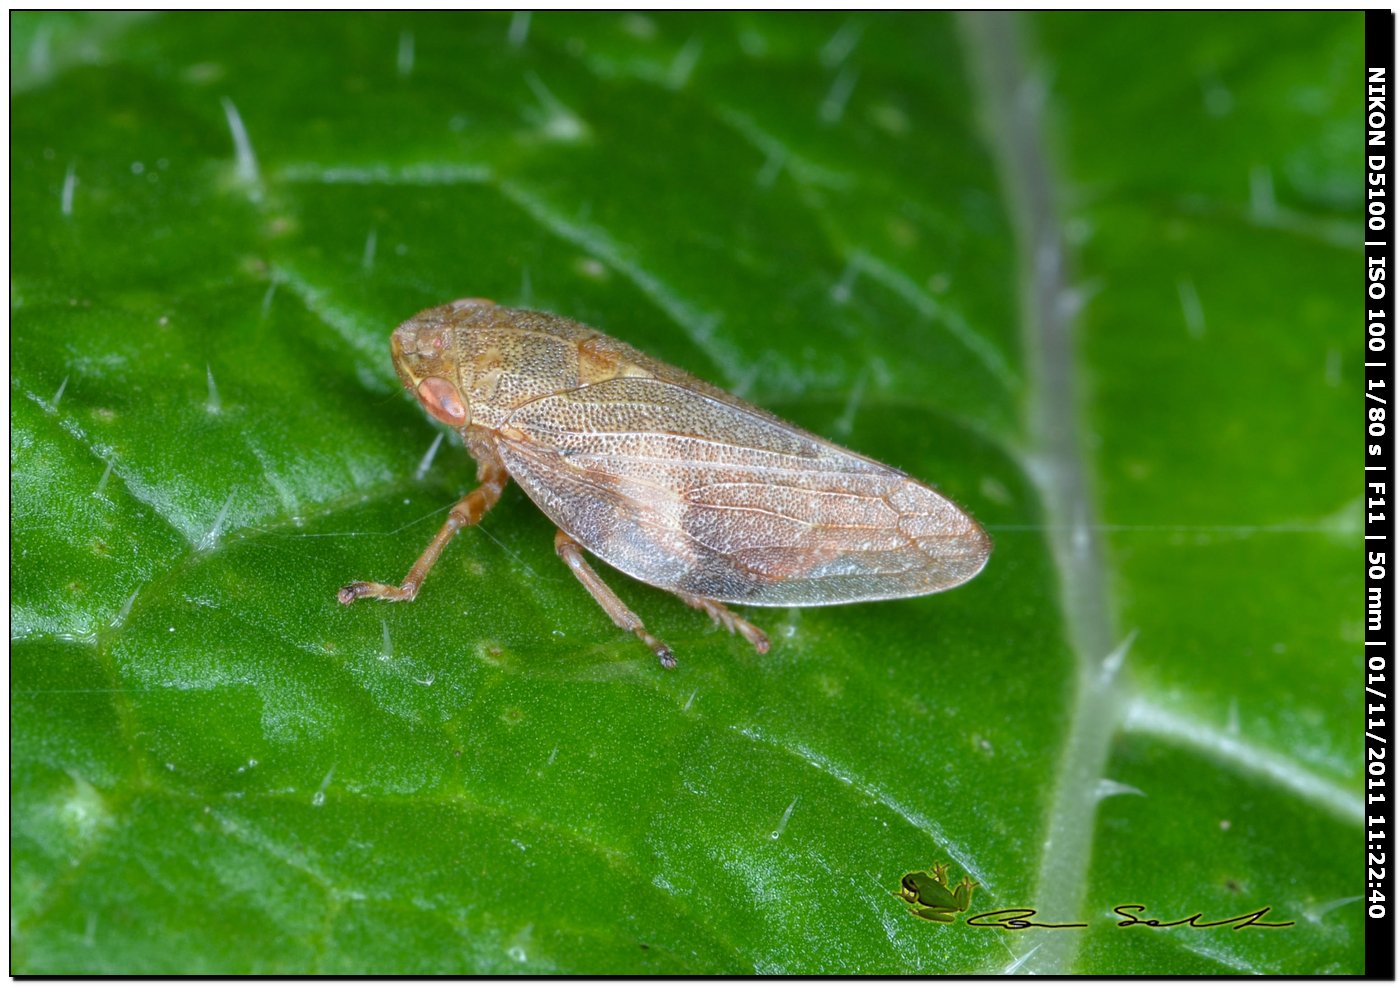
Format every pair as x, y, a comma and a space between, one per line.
727, 618
572, 554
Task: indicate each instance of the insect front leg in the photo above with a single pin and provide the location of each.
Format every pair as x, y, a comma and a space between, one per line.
572, 554
727, 618
464, 513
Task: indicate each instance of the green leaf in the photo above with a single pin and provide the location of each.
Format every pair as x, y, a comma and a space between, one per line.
1149, 696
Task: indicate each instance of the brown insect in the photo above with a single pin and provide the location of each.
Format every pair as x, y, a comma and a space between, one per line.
668, 479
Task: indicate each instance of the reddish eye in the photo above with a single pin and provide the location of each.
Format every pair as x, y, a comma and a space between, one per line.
442, 401
439, 342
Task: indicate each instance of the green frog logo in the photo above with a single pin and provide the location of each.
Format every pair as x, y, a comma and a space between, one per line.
927, 894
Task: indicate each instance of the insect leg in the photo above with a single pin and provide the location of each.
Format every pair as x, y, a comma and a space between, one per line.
728, 619
572, 554
464, 513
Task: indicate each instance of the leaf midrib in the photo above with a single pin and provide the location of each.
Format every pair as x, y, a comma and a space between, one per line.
1008, 92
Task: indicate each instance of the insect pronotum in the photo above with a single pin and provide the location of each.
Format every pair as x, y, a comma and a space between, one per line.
665, 477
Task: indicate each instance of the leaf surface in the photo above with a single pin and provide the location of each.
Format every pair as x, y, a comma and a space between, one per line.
218, 218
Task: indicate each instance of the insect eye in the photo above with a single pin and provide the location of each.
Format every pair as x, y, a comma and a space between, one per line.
442, 401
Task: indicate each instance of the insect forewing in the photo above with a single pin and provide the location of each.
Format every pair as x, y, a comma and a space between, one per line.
696, 493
